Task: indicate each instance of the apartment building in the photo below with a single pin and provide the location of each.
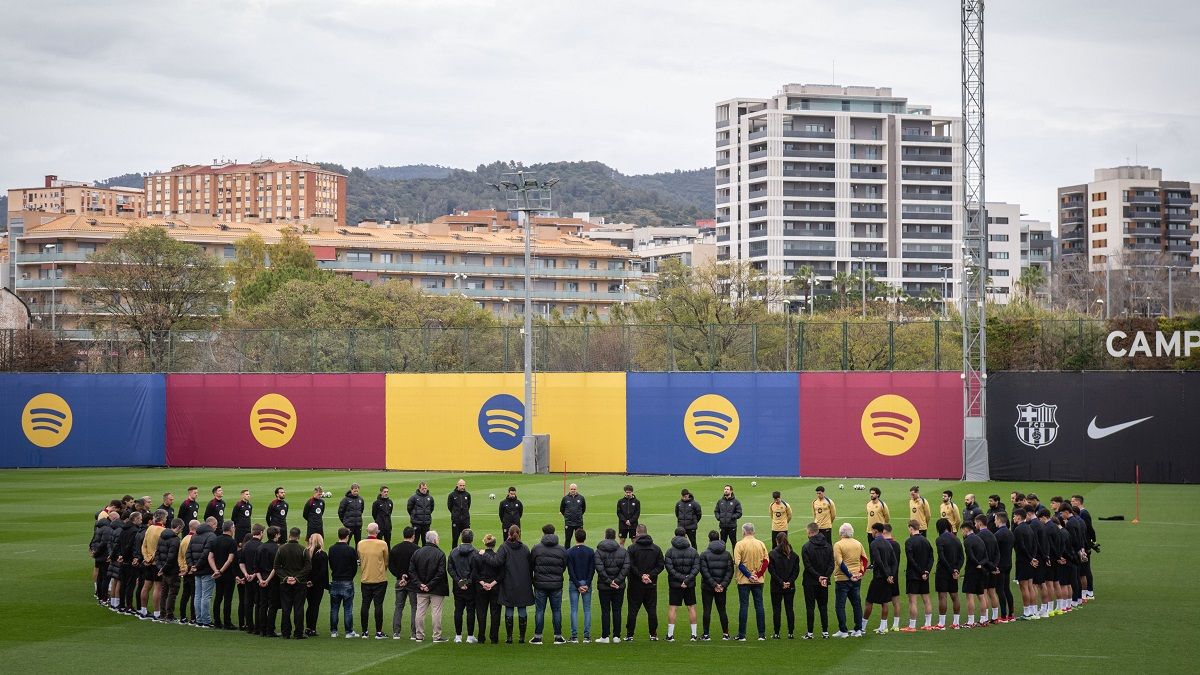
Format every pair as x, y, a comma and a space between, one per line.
837, 177
65, 196
1129, 215
263, 191
692, 246
1014, 244
571, 274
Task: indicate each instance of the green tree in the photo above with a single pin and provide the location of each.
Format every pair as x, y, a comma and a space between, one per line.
288, 260
805, 280
841, 284
150, 283
1031, 281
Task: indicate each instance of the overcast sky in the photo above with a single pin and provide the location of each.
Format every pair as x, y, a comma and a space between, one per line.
95, 89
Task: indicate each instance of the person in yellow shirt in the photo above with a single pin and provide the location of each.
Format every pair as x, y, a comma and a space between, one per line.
150, 587
372, 580
949, 510
750, 561
877, 512
781, 515
918, 508
824, 512
188, 582
848, 556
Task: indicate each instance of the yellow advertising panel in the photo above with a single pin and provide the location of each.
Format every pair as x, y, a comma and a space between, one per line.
475, 422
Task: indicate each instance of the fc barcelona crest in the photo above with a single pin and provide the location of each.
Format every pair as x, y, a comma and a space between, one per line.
1036, 424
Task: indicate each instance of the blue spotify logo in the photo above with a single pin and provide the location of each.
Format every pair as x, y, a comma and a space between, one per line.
502, 422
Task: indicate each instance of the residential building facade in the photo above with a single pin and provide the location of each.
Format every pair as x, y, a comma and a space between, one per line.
834, 178
692, 246
1129, 215
1015, 243
64, 196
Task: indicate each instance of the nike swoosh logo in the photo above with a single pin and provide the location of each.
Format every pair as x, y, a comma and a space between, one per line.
1095, 432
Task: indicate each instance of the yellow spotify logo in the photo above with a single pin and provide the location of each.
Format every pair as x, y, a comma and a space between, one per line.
711, 424
890, 425
273, 420
46, 420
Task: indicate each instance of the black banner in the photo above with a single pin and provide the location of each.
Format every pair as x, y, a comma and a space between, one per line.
1094, 426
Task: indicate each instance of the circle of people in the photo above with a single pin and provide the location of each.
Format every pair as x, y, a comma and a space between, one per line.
184, 568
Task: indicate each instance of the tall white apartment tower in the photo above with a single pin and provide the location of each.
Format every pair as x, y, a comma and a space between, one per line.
835, 177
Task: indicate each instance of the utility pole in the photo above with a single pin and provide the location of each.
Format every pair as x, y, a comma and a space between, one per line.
862, 272
975, 235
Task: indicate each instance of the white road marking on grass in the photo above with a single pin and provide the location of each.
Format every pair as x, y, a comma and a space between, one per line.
901, 651
1075, 656
386, 658
32, 550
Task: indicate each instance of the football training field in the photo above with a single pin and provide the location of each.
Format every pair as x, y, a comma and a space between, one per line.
1141, 621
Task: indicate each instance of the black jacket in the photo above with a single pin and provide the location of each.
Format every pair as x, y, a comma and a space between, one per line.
400, 557
222, 547
264, 563
428, 567
198, 548
977, 555
728, 512
883, 558
99, 544
243, 515
628, 508
682, 563
783, 568
170, 515
459, 506
991, 546
215, 509
166, 556
548, 561
688, 514
572, 510
949, 553
511, 511
343, 562
189, 510
420, 508
516, 574
1005, 542
919, 554
314, 515
817, 557
991, 516
1037, 532
319, 574
483, 569
645, 557
458, 564
350, 511
381, 513
1079, 536
277, 514
612, 564
1024, 543
969, 512
716, 565
249, 556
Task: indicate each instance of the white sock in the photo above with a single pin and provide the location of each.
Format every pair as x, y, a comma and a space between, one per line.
995, 613
895, 623
941, 619
912, 623
928, 619
955, 618
693, 630
157, 614
671, 630
883, 624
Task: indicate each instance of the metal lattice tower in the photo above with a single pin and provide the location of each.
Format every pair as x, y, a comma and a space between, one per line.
975, 257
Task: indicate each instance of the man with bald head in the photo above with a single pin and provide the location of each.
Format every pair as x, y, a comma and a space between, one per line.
572, 507
458, 503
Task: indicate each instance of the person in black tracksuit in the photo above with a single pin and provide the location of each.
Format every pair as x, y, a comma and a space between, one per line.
716, 573
350, 512
515, 568
216, 508
629, 512
318, 584
460, 566
166, 558
221, 558
128, 556
277, 510
884, 566
458, 503
420, 512
817, 558
784, 565
511, 510
381, 513
993, 552
243, 515
268, 584
979, 567
1005, 542
399, 558
572, 507
688, 514
486, 580
646, 562
189, 509
612, 572
949, 567
249, 569
728, 512
314, 514
99, 550
292, 568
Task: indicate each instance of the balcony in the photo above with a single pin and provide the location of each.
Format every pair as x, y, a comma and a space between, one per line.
722, 161
804, 173
864, 213
757, 134
1071, 220
1143, 199
927, 235
808, 252
830, 232
1179, 247
928, 196
1035, 244
722, 219
1143, 247
1179, 201
44, 283
868, 252
1180, 217
721, 124
932, 255
722, 142
925, 138
925, 157
722, 237
1144, 229
477, 270
801, 133
757, 154
1179, 234
925, 215
1135, 214
63, 256
759, 173
917, 175
869, 175
809, 213
820, 154
927, 274
512, 293
824, 194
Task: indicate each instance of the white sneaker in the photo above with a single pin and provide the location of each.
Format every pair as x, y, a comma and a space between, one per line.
841, 634
616, 639
334, 634
857, 633
457, 639
880, 631
471, 640
351, 634
602, 641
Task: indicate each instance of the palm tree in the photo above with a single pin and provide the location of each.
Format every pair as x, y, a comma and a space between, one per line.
841, 283
805, 275
897, 295
1032, 278
930, 298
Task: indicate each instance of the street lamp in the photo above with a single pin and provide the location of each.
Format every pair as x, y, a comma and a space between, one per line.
1103, 305
863, 273
526, 195
50, 249
945, 269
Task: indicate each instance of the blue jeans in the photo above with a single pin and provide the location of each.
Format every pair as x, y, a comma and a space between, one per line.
539, 613
205, 585
745, 591
852, 590
576, 596
341, 593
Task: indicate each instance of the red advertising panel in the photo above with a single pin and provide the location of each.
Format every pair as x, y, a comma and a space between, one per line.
881, 425
276, 421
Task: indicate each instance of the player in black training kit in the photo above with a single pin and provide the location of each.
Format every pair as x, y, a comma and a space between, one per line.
216, 507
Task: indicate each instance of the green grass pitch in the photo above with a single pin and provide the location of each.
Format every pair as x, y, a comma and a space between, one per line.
50, 623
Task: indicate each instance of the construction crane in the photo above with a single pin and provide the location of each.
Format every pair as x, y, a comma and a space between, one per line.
975, 257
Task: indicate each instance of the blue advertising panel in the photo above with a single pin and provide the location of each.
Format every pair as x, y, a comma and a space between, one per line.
728, 424
60, 420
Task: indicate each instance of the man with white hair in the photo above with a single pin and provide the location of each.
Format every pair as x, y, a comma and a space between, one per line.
373, 561
427, 572
848, 556
750, 560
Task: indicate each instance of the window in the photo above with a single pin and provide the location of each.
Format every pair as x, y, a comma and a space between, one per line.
547, 262
498, 261
1102, 211
1099, 259
358, 256
433, 282
229, 252
571, 286
1100, 227
997, 237
1099, 196
591, 264
431, 259
385, 257
1099, 243
998, 255
498, 284
616, 265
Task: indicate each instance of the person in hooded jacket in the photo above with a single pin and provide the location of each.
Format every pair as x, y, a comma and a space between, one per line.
581, 567
688, 514
728, 512
314, 514
248, 566
486, 580
381, 513
420, 511
817, 558
516, 585
612, 569
98, 547
458, 503
166, 558
784, 566
459, 564
682, 564
646, 562
131, 570
427, 571
549, 562
350, 512
268, 584
187, 582
197, 559
716, 573
116, 529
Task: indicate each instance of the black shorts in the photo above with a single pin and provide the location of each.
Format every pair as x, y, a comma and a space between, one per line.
1024, 570
895, 586
972, 583
681, 597
990, 580
917, 586
1065, 573
945, 583
879, 592
627, 532
150, 572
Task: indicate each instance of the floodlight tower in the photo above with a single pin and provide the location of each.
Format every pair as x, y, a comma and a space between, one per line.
526, 195
975, 258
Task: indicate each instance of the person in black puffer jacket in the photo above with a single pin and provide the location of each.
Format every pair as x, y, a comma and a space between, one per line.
516, 581
682, 564
117, 527
716, 573
728, 512
196, 557
420, 511
612, 569
166, 558
645, 564
427, 571
99, 550
549, 561
350, 512
486, 581
458, 564
130, 554
817, 557
785, 568
688, 514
